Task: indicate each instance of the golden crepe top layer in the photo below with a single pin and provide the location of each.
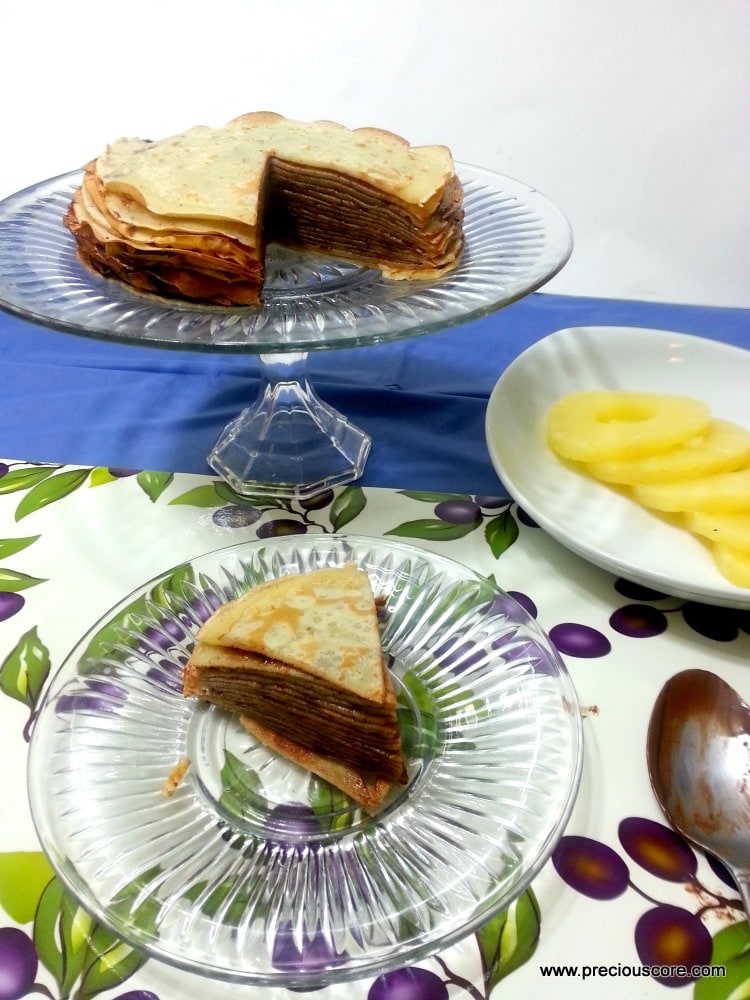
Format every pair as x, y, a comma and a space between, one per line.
323, 623
216, 173
191, 215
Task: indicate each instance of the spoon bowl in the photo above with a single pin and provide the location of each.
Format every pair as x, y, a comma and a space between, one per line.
698, 753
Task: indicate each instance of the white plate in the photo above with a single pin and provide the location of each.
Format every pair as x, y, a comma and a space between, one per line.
591, 519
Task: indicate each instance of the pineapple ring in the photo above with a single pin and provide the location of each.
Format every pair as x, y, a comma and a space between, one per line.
735, 565
725, 493
731, 531
723, 448
599, 425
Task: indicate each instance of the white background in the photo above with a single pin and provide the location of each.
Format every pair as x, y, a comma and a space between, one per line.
632, 115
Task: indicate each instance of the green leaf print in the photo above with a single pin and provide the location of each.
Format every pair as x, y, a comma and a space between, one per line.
9, 546
23, 479
11, 581
333, 807
349, 504
136, 905
425, 738
175, 588
50, 490
123, 629
24, 875
501, 532
509, 939
107, 965
101, 475
46, 931
226, 897
731, 949
25, 669
116, 632
434, 498
433, 529
240, 786
153, 484
226, 494
74, 928
201, 496
83, 957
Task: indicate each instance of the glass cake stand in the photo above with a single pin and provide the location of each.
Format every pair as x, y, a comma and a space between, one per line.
288, 442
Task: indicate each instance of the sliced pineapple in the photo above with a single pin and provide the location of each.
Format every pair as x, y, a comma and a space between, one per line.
733, 564
726, 493
723, 448
672, 456
599, 425
729, 530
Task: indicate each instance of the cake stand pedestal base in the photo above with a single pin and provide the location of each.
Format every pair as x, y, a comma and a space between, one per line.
289, 443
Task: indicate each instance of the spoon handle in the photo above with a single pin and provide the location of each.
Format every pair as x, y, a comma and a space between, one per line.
743, 884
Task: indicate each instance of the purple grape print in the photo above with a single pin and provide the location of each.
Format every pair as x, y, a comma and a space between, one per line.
492, 502
292, 823
18, 963
316, 952
525, 601
591, 867
84, 703
670, 935
579, 640
408, 984
163, 637
458, 511
526, 519
10, 604
279, 526
235, 516
721, 871
637, 592
459, 657
505, 604
642, 621
137, 995
658, 849
201, 608
639, 621
665, 935
318, 501
719, 624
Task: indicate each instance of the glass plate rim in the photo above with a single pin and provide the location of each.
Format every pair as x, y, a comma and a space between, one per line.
216, 320
317, 980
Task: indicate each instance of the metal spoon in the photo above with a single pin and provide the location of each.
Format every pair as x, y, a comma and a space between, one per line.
698, 752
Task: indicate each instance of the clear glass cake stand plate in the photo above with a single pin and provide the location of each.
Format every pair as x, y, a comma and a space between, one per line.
254, 871
288, 442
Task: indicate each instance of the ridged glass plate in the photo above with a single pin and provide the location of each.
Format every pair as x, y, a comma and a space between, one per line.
255, 871
516, 240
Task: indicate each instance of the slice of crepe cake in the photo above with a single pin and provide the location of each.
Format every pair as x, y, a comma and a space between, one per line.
299, 660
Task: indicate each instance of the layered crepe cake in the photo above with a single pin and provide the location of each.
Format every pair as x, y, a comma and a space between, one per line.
190, 216
299, 660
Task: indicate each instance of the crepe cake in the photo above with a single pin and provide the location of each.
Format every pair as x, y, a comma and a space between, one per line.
299, 660
190, 215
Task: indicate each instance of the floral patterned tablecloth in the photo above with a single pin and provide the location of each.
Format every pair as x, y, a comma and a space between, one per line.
623, 899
